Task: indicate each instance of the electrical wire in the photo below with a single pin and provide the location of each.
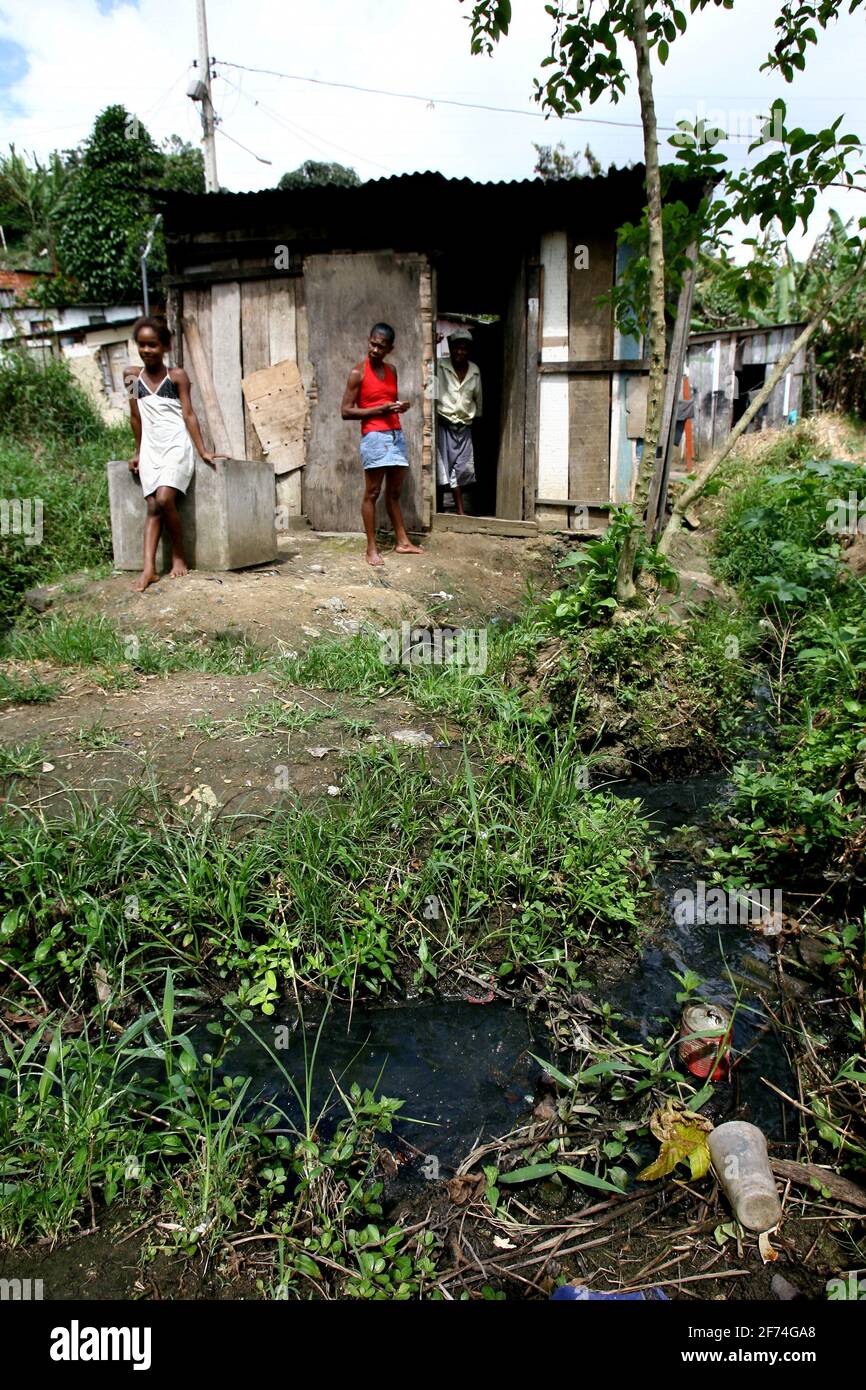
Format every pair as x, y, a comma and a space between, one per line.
260, 158
431, 101
317, 141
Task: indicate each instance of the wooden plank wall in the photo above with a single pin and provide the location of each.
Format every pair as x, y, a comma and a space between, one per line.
225, 358
714, 409
428, 354
255, 348
553, 394
510, 464
244, 326
345, 294
195, 303
590, 337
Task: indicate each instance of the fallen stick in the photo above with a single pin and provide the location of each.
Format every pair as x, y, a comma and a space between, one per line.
807, 1174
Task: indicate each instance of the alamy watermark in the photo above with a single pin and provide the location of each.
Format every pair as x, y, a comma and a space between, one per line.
846, 516
436, 646
702, 906
22, 516
850, 1289
21, 1290
701, 128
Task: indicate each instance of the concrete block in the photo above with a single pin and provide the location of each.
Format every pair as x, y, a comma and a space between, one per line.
227, 516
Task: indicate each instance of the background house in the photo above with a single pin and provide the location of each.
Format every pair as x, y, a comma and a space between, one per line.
93, 337
726, 369
298, 277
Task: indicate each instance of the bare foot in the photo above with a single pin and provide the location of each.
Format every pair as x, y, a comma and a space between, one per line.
407, 548
178, 568
144, 579
374, 558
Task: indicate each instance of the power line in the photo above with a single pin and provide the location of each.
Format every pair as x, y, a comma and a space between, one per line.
220, 130
431, 101
317, 141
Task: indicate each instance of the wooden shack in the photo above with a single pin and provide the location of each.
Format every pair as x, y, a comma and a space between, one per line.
272, 296
725, 371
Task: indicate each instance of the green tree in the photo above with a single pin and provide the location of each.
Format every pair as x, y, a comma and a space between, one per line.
313, 173
590, 42
182, 167
782, 189
553, 162
840, 341
34, 199
587, 60
110, 207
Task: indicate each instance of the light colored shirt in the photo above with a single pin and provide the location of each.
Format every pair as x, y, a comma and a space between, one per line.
456, 400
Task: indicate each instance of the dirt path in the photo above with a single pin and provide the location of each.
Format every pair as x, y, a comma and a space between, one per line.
322, 585
245, 740
239, 743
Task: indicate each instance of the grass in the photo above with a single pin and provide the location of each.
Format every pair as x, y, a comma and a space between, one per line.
93, 642
804, 803
123, 924
20, 759
30, 691
95, 736
53, 447
414, 876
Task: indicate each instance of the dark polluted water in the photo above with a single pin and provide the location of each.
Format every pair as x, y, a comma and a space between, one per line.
463, 1071
466, 1072
733, 961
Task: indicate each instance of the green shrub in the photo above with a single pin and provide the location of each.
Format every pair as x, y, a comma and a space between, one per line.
44, 401
53, 447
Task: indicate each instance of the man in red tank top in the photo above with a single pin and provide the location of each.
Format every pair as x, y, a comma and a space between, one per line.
371, 397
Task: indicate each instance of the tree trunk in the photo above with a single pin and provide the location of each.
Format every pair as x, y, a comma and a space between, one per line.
625, 585
694, 490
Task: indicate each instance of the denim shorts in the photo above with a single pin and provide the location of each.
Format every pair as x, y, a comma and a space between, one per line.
384, 449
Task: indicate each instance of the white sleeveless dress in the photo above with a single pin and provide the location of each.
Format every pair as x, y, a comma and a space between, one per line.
166, 457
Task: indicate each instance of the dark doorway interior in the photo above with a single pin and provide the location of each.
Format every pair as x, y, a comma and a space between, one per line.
475, 288
750, 378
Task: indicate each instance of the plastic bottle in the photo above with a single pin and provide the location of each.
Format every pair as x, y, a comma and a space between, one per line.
739, 1154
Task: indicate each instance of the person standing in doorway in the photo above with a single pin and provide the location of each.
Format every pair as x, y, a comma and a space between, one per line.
458, 403
371, 396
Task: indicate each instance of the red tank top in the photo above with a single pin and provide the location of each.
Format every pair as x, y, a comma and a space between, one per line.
376, 392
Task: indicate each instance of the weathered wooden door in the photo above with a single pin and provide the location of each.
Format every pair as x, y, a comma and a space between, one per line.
347, 294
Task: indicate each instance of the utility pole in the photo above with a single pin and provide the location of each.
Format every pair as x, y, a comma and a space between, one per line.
211, 182
145, 252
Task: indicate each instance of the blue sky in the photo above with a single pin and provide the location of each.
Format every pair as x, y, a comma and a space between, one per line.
62, 61
13, 69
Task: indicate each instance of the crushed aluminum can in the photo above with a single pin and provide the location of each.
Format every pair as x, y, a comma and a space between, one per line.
698, 1054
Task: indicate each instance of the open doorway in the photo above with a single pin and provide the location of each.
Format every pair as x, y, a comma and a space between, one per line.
484, 294
750, 379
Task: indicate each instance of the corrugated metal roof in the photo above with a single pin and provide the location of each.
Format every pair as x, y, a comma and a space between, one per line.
614, 197
747, 330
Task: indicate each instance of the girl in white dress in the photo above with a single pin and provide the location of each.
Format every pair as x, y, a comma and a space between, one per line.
165, 427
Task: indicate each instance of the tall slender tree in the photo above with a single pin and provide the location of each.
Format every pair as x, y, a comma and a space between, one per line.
588, 60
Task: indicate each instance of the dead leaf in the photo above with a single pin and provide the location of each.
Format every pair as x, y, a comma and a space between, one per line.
768, 1254
103, 988
465, 1188
545, 1109
683, 1139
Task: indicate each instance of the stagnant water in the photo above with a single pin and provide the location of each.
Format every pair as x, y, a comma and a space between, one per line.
733, 961
466, 1071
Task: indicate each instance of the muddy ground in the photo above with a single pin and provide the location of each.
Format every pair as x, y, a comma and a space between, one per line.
248, 740
240, 744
